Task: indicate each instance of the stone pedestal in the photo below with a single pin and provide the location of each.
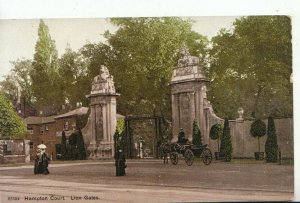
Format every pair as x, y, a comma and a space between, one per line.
27, 151
103, 116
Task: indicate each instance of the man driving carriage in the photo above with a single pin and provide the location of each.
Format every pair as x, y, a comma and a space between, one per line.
181, 137
186, 149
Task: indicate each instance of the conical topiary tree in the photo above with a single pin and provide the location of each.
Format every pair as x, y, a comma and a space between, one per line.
72, 149
226, 145
258, 129
197, 139
80, 146
63, 145
117, 141
271, 147
118, 138
216, 133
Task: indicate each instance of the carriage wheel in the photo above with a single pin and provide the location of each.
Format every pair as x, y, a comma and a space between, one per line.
189, 157
174, 158
206, 156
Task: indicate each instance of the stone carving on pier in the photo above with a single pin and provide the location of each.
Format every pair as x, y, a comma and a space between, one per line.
103, 83
103, 116
189, 101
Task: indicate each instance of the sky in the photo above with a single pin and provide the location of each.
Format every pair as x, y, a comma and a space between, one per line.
19, 36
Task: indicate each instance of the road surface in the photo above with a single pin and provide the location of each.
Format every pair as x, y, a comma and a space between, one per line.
148, 181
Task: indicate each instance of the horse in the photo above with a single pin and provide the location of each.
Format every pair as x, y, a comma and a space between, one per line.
165, 148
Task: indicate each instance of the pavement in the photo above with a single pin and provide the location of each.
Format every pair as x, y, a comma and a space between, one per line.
148, 181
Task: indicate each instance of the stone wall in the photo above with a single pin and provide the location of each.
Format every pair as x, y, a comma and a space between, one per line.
244, 145
14, 151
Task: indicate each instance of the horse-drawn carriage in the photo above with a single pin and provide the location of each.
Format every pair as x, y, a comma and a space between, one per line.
188, 151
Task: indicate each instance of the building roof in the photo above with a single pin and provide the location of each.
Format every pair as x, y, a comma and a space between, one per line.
35, 120
79, 111
120, 116
76, 112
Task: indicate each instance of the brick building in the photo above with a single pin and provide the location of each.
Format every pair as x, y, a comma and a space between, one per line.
48, 130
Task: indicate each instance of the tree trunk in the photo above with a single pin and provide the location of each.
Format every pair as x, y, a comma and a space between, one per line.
258, 144
259, 91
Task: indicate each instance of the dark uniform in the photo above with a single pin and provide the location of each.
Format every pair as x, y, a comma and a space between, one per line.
120, 163
181, 137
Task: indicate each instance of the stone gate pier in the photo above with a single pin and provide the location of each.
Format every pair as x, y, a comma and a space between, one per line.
101, 125
189, 101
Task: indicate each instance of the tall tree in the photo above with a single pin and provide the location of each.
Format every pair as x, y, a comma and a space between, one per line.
63, 146
251, 67
9, 87
21, 70
258, 129
11, 125
74, 81
271, 146
143, 54
226, 144
197, 139
17, 84
44, 73
80, 145
215, 133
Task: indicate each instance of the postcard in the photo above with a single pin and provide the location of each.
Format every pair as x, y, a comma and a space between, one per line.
174, 106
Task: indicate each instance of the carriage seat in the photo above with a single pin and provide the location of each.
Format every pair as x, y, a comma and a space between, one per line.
199, 146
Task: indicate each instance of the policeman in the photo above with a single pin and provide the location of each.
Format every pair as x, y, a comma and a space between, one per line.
120, 163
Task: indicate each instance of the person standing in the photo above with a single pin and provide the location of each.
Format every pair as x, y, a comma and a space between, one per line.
42, 160
120, 163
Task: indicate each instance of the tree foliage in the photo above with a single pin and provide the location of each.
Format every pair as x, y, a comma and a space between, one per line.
63, 145
21, 71
44, 73
258, 129
80, 145
143, 56
74, 81
9, 88
226, 144
120, 125
11, 125
271, 146
197, 139
75, 149
250, 67
215, 133
17, 84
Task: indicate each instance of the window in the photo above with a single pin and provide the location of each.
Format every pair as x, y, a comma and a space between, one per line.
42, 129
6, 150
30, 130
46, 128
31, 145
66, 125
